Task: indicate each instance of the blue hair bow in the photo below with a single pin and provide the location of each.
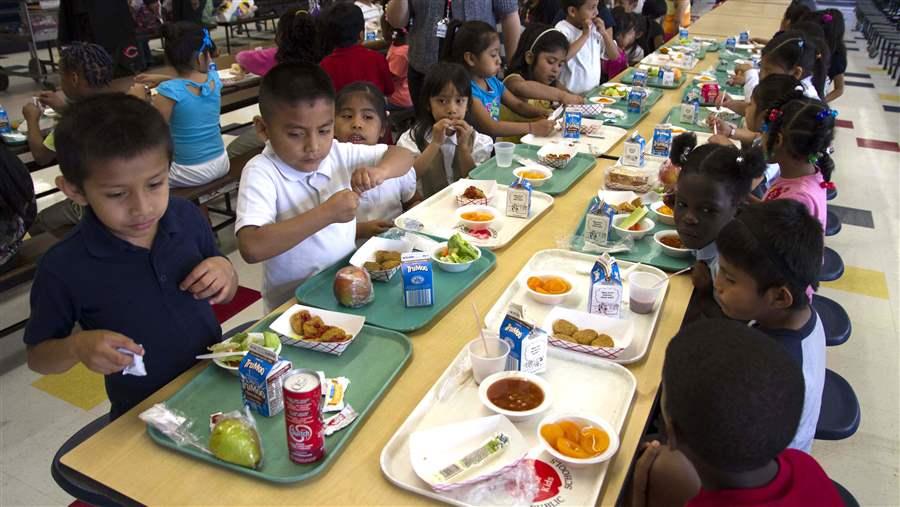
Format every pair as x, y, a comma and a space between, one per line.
825, 113
207, 44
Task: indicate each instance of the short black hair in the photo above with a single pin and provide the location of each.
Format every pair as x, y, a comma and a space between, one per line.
342, 24
565, 4
370, 92
733, 395
734, 168
88, 59
289, 83
182, 42
106, 127
298, 39
778, 243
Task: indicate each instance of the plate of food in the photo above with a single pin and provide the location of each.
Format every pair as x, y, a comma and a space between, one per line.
671, 244
664, 214
476, 192
316, 329
456, 255
588, 333
240, 344
604, 99
556, 155
705, 78
380, 257
596, 138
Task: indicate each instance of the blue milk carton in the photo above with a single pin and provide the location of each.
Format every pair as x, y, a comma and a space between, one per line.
662, 140
639, 77
572, 125
730, 42
744, 38
518, 199
597, 223
636, 99
262, 376
418, 281
527, 344
683, 35
605, 297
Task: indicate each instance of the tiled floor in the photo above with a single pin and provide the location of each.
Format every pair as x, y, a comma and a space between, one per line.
33, 423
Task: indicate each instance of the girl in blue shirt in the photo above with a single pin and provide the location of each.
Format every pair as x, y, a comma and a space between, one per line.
191, 103
476, 45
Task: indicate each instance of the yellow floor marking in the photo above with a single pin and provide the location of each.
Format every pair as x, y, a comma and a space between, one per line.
875, 69
888, 97
79, 386
867, 282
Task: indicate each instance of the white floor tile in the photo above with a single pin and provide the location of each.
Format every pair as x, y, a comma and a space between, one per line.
14, 492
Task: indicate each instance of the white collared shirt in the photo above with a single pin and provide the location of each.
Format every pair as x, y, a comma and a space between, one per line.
272, 191
582, 72
481, 151
385, 202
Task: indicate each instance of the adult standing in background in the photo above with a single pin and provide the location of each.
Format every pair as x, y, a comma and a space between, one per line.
678, 14
428, 20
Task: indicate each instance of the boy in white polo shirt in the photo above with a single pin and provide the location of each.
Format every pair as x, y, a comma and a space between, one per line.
589, 43
297, 201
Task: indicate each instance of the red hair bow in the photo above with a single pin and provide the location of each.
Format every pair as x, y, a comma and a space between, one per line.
827, 185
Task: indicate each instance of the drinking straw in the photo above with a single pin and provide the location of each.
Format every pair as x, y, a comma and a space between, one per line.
480, 329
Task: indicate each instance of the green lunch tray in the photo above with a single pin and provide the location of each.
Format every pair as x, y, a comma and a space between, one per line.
371, 362
655, 82
622, 103
722, 79
630, 119
674, 118
562, 179
387, 310
645, 250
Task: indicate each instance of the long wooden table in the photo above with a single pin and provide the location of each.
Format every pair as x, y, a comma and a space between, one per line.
123, 457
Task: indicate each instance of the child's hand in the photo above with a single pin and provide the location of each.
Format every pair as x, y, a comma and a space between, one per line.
140, 91
366, 178
151, 80
719, 125
53, 100
97, 350
571, 98
214, 279
719, 139
598, 22
543, 128
701, 277
439, 131
737, 79
365, 230
32, 113
465, 134
642, 469
342, 206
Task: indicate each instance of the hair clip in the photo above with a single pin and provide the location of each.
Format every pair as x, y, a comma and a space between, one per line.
828, 185
774, 114
813, 158
800, 43
825, 113
827, 18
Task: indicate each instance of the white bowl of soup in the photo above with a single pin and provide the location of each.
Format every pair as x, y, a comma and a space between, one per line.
515, 394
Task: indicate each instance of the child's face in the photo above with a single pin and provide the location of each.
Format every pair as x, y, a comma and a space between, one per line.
702, 208
487, 63
448, 104
301, 133
738, 293
627, 39
129, 196
357, 121
584, 14
767, 68
547, 65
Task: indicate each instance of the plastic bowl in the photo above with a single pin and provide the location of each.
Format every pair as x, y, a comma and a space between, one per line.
535, 182
672, 252
513, 415
549, 299
452, 267
647, 225
582, 420
663, 219
473, 225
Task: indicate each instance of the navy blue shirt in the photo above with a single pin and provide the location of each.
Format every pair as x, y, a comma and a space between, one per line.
99, 281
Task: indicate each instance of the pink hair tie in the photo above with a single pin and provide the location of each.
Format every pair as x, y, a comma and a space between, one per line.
827, 18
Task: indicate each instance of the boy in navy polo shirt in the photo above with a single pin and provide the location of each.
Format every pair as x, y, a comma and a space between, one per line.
140, 271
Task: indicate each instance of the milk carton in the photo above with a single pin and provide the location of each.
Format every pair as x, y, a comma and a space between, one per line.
730, 43
668, 76
690, 112
683, 35
597, 223
262, 374
636, 99
418, 282
605, 297
744, 38
518, 199
662, 140
527, 344
572, 125
633, 150
639, 78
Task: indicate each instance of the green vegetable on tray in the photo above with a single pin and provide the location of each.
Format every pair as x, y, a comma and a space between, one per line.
241, 342
459, 251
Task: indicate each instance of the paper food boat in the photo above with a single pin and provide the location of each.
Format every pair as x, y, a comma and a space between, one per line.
351, 324
620, 330
366, 253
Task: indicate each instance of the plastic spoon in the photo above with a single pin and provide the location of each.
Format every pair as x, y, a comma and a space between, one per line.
480, 329
657, 284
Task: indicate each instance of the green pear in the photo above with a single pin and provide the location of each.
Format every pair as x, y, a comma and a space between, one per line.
236, 441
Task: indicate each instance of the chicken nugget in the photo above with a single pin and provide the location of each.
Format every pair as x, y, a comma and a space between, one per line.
564, 337
390, 264
334, 334
313, 329
386, 255
372, 266
297, 321
603, 340
585, 336
563, 326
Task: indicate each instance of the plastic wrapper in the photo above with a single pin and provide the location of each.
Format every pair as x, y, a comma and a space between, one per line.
461, 372
353, 287
172, 424
516, 486
639, 180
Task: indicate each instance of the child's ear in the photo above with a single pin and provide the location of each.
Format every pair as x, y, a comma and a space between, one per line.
71, 190
529, 58
262, 130
779, 297
470, 59
797, 72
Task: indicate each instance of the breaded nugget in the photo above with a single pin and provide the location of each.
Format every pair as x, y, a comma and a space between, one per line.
297, 321
313, 329
386, 255
585, 336
603, 340
390, 264
372, 266
563, 326
564, 337
334, 334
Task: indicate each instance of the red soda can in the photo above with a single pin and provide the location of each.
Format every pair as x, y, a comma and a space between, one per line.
303, 416
709, 92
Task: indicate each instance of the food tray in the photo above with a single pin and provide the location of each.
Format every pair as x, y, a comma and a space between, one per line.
577, 266
654, 82
702, 138
612, 391
622, 103
722, 79
387, 310
657, 60
630, 119
435, 215
674, 118
562, 179
590, 145
371, 364
645, 250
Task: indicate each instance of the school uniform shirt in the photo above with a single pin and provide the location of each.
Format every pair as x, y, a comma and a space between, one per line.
491, 98
99, 281
481, 150
807, 190
385, 202
272, 191
582, 72
807, 346
800, 481
809, 89
357, 63
710, 256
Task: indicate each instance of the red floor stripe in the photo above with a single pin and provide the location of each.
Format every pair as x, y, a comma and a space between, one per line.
877, 145
242, 299
847, 124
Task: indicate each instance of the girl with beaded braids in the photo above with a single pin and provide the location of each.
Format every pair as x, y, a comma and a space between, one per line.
191, 103
798, 135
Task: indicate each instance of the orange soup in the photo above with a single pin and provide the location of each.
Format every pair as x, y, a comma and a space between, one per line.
477, 216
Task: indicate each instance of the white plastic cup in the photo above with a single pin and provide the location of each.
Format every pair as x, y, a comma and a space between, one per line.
504, 152
641, 296
486, 364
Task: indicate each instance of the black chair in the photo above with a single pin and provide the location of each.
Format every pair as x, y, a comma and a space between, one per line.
840, 415
831, 193
846, 496
832, 266
834, 319
74, 483
832, 223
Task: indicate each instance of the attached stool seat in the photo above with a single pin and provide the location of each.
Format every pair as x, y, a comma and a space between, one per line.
832, 267
832, 223
831, 193
834, 319
840, 415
